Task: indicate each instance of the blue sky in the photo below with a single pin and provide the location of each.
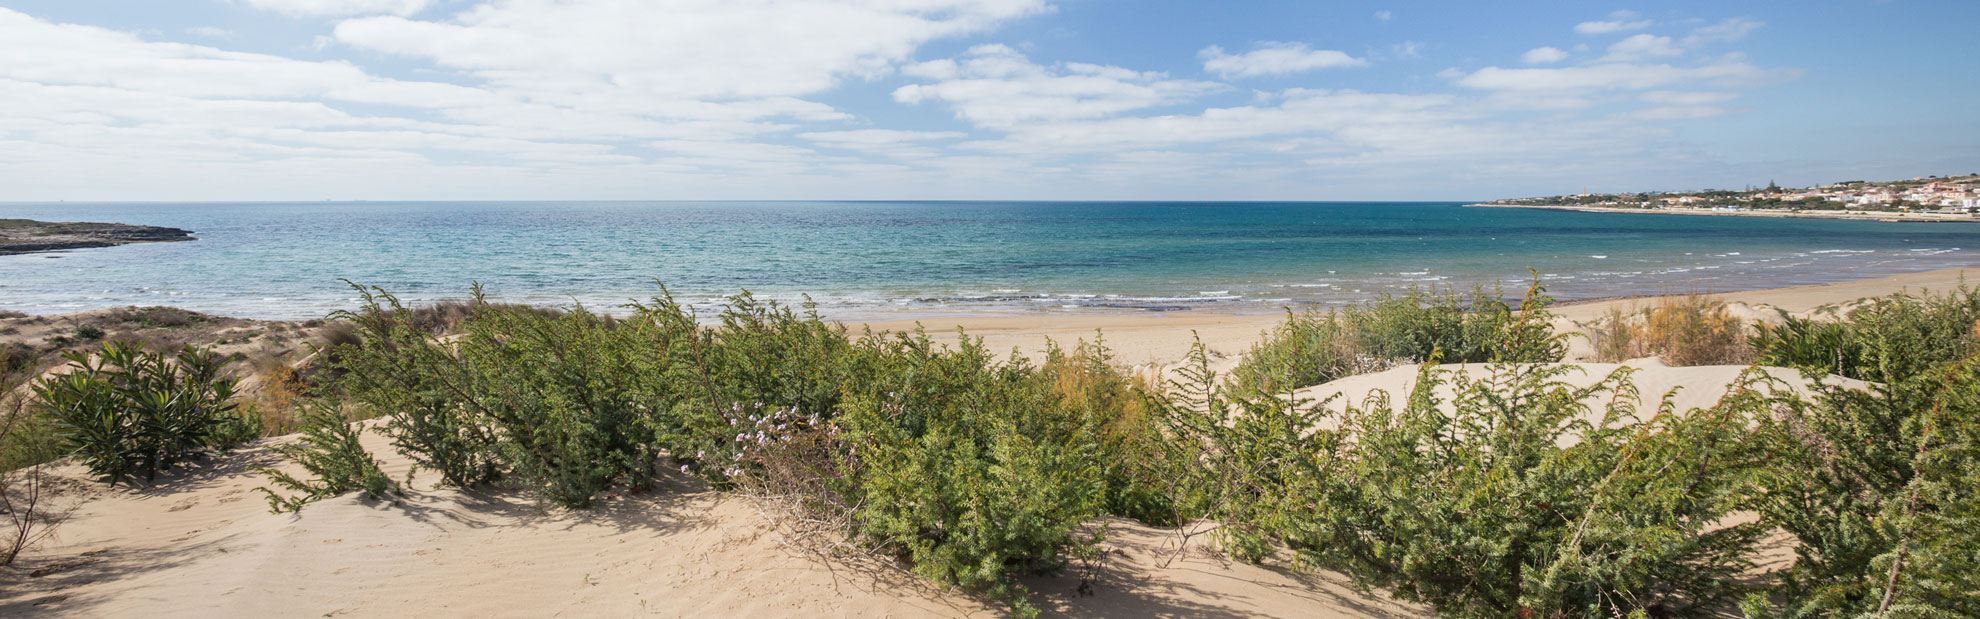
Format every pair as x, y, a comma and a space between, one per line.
973, 99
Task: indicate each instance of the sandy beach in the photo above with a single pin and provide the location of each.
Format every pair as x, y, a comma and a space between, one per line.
1145, 338
201, 541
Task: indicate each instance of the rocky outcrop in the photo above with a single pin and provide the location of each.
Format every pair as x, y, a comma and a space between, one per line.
22, 236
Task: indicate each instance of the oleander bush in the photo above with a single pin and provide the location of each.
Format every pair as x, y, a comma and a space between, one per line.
125, 412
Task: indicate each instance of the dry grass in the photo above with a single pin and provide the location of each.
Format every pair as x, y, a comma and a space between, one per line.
1615, 337
1682, 330
1697, 330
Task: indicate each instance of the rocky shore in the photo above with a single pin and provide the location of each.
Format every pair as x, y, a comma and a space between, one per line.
24, 236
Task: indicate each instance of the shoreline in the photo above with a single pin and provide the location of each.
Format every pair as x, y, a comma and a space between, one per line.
1776, 214
1140, 338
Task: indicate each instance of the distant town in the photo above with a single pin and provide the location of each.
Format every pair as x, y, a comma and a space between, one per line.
1930, 195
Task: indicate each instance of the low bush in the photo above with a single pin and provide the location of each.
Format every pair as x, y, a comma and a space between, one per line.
969, 468
1876, 484
1313, 348
126, 412
1511, 493
336, 461
1521, 496
1898, 335
27, 491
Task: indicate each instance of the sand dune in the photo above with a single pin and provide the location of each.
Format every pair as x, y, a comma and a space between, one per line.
201, 542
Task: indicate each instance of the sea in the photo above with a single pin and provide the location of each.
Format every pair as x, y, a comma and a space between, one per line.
874, 260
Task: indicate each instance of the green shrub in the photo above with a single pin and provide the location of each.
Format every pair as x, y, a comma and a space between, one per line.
1246, 457
1898, 335
1517, 497
973, 470
127, 412
89, 333
1876, 484
1314, 348
398, 370
563, 394
237, 428
27, 489
331, 453
1307, 349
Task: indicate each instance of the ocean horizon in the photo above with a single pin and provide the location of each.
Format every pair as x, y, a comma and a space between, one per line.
866, 260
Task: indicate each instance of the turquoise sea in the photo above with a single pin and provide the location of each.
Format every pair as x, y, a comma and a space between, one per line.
864, 259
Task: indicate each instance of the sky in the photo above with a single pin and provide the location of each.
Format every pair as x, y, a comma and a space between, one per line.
143, 100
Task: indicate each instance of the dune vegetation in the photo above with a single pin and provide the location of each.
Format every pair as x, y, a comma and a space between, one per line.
1503, 493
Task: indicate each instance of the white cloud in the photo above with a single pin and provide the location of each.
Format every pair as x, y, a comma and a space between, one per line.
1543, 55
211, 32
1725, 72
877, 137
578, 50
1673, 97
1677, 112
1274, 58
1621, 24
1384, 16
995, 86
1725, 31
1642, 46
701, 98
340, 8
35, 51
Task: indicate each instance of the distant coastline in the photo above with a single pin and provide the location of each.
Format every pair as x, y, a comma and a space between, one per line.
1896, 217
27, 236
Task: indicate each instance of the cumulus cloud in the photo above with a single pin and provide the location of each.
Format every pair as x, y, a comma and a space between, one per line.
1725, 31
995, 86
685, 48
340, 8
1543, 55
613, 98
1618, 21
1673, 97
1726, 72
1642, 46
1274, 58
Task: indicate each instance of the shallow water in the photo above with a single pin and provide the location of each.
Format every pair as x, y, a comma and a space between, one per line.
284, 260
